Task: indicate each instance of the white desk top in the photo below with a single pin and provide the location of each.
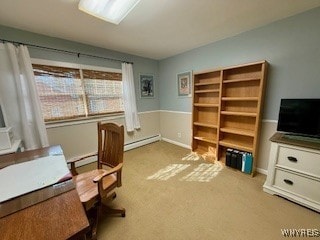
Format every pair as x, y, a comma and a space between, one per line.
22, 178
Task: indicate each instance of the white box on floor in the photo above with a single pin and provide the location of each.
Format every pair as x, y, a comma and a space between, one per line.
6, 138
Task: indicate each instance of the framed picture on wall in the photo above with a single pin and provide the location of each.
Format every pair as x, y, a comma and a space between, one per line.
184, 84
146, 82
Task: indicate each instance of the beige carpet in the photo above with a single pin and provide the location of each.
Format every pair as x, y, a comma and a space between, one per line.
185, 201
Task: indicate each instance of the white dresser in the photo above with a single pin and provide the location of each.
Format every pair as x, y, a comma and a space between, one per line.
294, 170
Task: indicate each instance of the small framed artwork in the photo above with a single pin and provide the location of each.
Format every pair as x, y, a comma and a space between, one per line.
146, 85
184, 84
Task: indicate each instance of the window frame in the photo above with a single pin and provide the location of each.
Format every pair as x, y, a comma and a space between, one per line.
88, 118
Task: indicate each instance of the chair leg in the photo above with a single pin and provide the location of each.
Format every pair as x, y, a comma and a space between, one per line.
111, 197
108, 210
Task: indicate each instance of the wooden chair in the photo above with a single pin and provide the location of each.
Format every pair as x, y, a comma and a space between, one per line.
95, 188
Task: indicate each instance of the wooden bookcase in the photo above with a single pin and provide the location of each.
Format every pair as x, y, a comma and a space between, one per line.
227, 109
206, 107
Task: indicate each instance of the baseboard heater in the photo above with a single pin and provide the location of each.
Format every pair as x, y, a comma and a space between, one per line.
142, 142
127, 146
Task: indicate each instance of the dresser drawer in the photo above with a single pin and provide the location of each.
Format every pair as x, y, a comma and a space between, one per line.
302, 186
300, 160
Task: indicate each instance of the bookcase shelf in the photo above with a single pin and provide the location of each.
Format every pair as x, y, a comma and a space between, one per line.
240, 99
244, 132
240, 80
246, 114
207, 91
236, 145
206, 105
227, 109
205, 139
206, 83
202, 124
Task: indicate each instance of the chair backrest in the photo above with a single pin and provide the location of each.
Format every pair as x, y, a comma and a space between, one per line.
110, 144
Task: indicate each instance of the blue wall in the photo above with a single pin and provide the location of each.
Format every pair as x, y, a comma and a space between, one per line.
291, 46
141, 65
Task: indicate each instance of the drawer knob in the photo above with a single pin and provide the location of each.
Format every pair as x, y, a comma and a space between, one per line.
287, 181
292, 159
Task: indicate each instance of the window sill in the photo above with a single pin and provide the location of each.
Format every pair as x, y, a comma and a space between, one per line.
84, 120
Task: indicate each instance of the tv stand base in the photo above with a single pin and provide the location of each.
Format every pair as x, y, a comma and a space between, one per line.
294, 171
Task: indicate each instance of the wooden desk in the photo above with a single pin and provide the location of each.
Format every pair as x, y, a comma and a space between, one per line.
59, 217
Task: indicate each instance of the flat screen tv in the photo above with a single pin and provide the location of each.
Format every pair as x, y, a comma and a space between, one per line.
300, 117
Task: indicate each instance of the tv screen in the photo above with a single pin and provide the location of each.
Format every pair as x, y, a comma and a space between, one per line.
300, 116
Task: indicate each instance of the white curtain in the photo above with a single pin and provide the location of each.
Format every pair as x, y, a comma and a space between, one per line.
19, 96
129, 97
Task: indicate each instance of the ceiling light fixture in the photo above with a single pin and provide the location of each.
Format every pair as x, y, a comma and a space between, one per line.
108, 10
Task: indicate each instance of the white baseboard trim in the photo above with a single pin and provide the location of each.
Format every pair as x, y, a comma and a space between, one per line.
168, 111
142, 142
269, 121
86, 161
261, 170
176, 143
127, 146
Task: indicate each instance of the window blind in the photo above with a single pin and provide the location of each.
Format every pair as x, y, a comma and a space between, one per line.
65, 95
103, 92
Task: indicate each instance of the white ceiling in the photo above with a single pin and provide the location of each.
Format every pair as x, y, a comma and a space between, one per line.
155, 29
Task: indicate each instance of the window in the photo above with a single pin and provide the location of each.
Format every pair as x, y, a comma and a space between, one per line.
102, 96
69, 93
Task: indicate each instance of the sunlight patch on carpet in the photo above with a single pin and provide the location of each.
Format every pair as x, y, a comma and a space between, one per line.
205, 172
168, 172
193, 156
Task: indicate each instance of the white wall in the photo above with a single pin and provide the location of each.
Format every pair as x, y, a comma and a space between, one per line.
81, 138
